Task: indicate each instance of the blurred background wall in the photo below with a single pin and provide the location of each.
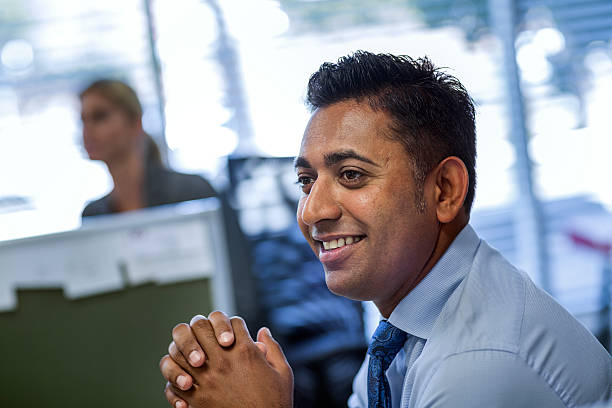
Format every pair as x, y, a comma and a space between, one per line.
222, 84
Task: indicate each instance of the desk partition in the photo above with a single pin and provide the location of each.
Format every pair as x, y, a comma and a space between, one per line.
85, 315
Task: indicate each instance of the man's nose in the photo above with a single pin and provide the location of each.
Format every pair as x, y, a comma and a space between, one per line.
320, 204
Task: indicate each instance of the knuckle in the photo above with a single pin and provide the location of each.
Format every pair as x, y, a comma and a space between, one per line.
217, 315
289, 373
178, 329
163, 361
170, 396
200, 323
245, 350
195, 318
237, 319
208, 382
168, 393
173, 351
223, 366
202, 401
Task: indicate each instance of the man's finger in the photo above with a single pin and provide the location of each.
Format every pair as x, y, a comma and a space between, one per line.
188, 396
241, 332
222, 327
178, 358
188, 345
274, 354
262, 347
174, 374
205, 335
175, 401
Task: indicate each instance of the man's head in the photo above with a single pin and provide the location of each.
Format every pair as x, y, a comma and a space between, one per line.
387, 160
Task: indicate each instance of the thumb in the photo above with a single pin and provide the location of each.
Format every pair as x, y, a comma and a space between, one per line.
262, 347
274, 352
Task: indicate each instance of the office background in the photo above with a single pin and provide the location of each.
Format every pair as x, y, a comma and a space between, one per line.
222, 84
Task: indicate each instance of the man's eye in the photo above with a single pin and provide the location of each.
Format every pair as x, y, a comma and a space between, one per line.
303, 181
351, 176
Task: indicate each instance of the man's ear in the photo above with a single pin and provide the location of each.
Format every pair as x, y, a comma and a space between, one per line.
451, 186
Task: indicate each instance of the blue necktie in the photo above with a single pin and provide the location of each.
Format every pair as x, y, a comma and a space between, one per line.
387, 341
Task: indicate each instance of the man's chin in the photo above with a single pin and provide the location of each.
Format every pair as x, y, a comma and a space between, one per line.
343, 283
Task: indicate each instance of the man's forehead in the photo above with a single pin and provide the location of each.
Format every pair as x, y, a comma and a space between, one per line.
341, 124
344, 130
342, 118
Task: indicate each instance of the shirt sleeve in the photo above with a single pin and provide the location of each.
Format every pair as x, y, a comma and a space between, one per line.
495, 379
359, 397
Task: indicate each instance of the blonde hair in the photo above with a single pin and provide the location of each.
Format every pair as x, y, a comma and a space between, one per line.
124, 97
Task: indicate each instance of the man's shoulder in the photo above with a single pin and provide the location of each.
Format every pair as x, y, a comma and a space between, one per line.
486, 378
498, 309
499, 306
486, 310
489, 377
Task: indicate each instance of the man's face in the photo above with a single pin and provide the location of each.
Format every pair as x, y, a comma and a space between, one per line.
358, 209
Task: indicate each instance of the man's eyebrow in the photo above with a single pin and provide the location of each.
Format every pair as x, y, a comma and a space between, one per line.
301, 162
331, 159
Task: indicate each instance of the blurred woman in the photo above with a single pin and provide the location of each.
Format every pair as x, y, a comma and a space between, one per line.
113, 133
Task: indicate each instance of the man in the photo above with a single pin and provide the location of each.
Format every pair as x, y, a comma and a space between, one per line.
387, 170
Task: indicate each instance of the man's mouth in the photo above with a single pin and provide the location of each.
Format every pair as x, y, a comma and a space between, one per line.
336, 243
335, 250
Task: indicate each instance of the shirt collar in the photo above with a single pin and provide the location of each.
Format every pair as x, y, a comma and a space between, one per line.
417, 312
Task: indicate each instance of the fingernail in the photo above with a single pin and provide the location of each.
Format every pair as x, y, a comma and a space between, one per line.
268, 332
181, 380
194, 357
226, 337
180, 404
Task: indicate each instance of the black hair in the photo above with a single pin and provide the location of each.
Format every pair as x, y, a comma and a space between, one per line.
431, 113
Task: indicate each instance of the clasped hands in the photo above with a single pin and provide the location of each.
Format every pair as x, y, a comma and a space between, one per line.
214, 362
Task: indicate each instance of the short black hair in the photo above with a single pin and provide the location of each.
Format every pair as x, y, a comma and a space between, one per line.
431, 111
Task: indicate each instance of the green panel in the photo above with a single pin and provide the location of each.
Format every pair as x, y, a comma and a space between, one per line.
101, 351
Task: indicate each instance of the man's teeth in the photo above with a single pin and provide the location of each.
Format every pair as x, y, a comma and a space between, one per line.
340, 242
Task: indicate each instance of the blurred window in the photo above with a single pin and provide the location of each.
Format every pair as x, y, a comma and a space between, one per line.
48, 52
234, 75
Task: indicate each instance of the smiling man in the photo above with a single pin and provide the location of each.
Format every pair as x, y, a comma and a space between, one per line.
387, 171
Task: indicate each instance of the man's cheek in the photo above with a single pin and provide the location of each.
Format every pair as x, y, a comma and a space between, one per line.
366, 197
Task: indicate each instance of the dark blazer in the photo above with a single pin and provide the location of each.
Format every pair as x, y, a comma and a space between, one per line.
162, 186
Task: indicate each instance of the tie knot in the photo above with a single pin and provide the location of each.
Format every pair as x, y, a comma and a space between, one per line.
386, 342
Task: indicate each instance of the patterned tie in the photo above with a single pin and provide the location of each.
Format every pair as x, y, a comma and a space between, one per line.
387, 341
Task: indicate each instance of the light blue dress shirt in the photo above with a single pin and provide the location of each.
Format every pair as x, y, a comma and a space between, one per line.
481, 334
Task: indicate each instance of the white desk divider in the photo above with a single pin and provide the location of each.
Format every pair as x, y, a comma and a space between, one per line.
162, 245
